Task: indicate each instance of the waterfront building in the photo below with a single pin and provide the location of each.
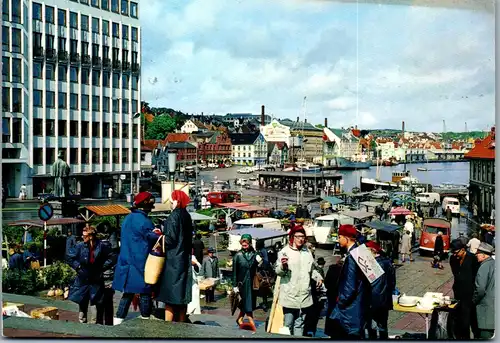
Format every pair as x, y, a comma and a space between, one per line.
339, 143
306, 141
482, 173
249, 149
277, 153
390, 150
213, 146
71, 84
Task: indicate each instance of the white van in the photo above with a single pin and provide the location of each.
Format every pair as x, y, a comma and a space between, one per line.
262, 222
325, 227
268, 230
428, 198
453, 203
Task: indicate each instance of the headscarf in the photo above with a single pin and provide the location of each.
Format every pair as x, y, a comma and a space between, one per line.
246, 237
181, 199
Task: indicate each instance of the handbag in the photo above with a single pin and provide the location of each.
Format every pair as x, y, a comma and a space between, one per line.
256, 282
154, 263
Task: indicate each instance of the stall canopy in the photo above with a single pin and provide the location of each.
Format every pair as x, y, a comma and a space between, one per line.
370, 203
232, 207
378, 225
51, 222
332, 200
360, 215
196, 217
87, 212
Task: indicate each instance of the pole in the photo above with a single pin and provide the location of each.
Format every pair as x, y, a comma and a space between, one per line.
44, 244
131, 155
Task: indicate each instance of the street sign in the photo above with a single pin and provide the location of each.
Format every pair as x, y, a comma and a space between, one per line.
45, 212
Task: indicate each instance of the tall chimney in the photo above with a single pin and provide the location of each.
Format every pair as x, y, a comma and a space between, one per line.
263, 115
326, 122
305, 120
403, 126
298, 119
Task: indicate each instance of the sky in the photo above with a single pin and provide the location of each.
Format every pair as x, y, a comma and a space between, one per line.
367, 64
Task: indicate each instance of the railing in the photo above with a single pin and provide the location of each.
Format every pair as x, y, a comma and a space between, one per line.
62, 56
38, 52
136, 67
117, 65
96, 62
74, 58
126, 66
106, 63
51, 54
86, 60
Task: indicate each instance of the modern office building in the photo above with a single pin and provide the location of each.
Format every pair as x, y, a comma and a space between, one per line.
71, 84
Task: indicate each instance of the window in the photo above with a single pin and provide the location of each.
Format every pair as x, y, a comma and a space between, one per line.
85, 128
63, 129
49, 71
73, 74
135, 34
135, 153
16, 70
116, 154
37, 11
95, 77
116, 54
6, 69
16, 11
5, 38
61, 43
85, 102
125, 105
125, 55
95, 3
124, 131
116, 106
85, 48
105, 79
49, 14
105, 104
125, 156
5, 11
85, 22
95, 50
85, 76
50, 98
135, 106
73, 101
37, 98
105, 51
6, 99
62, 100
133, 10
62, 73
114, 6
86, 2
125, 79
17, 100
125, 32
105, 28
73, 128
38, 156
96, 129
95, 156
105, 5
116, 30
16, 40
105, 130
125, 7
135, 131
105, 155
95, 25
135, 82
61, 17
73, 20
37, 127
73, 156
37, 40
116, 80
73, 46
95, 102
49, 42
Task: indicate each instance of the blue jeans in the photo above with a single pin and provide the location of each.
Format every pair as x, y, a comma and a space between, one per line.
294, 320
145, 305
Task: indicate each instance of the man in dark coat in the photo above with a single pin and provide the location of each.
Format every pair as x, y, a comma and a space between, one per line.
353, 302
137, 239
449, 214
381, 295
198, 247
484, 292
438, 251
464, 267
70, 242
175, 282
332, 292
210, 269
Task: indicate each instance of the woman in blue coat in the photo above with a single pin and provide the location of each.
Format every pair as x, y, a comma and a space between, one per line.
137, 239
90, 258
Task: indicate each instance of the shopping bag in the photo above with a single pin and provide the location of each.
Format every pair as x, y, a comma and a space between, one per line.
155, 262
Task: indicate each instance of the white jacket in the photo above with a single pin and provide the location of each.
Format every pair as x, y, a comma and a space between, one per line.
295, 286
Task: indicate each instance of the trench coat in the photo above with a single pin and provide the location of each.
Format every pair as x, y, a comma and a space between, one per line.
175, 281
484, 295
405, 247
89, 282
137, 240
244, 270
353, 298
210, 267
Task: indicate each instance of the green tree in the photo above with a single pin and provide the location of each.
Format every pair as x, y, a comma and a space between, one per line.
319, 126
160, 127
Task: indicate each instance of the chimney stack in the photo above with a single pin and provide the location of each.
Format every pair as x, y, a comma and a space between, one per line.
298, 119
326, 122
262, 115
403, 126
305, 120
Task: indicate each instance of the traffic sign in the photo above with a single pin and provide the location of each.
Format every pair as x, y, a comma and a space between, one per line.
45, 212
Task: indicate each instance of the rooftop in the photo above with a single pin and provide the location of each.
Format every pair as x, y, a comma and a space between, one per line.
483, 149
243, 138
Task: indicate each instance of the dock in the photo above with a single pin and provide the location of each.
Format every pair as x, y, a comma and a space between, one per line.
311, 181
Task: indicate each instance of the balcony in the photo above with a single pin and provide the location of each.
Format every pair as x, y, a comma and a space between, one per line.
51, 54
86, 60
96, 62
106, 63
136, 68
62, 57
126, 66
74, 58
117, 65
38, 53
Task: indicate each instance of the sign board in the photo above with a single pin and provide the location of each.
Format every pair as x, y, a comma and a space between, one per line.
275, 132
45, 212
367, 263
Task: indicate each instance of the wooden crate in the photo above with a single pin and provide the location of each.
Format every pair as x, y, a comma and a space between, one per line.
50, 312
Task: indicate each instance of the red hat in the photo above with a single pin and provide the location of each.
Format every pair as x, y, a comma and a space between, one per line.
293, 231
348, 230
141, 198
373, 245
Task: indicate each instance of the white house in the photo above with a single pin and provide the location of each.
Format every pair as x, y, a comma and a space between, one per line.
248, 149
191, 126
389, 150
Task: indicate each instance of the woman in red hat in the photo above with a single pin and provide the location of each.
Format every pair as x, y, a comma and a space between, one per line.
175, 281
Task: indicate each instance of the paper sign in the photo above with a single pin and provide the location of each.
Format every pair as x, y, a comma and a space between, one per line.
367, 263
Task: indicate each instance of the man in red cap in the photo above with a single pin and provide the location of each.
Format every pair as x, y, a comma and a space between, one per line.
381, 295
137, 238
353, 302
295, 266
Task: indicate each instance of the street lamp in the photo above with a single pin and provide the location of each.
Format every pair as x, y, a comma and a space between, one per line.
133, 116
172, 165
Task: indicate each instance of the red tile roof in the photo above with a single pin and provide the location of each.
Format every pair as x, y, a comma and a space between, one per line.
356, 132
178, 137
151, 144
484, 149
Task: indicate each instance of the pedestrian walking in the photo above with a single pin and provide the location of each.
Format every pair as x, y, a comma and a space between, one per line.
110, 193
473, 243
405, 246
462, 238
484, 292
175, 281
138, 236
210, 269
295, 267
90, 259
70, 242
464, 267
245, 264
438, 251
381, 294
198, 247
449, 214
353, 304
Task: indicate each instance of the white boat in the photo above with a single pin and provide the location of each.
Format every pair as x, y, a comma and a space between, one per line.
422, 169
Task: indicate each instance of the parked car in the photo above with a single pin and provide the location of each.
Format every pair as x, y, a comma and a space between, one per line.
379, 194
428, 198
